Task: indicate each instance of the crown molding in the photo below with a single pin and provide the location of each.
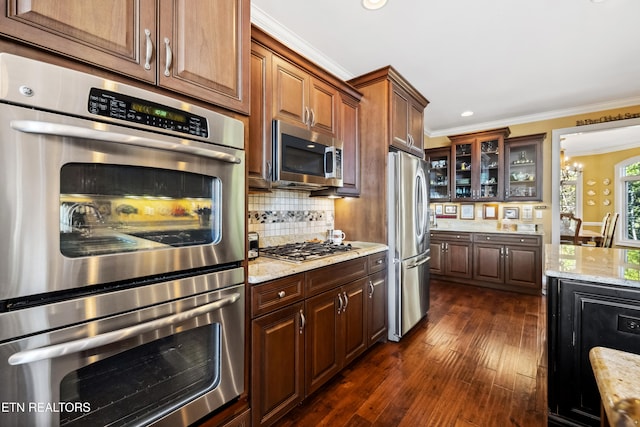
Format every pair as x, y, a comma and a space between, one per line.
278, 31
548, 115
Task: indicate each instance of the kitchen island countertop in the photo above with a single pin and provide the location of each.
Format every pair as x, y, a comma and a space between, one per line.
263, 269
603, 265
616, 374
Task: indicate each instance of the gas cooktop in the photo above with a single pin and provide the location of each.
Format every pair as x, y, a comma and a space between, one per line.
305, 251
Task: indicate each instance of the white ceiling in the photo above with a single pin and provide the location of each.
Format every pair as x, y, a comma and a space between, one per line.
509, 61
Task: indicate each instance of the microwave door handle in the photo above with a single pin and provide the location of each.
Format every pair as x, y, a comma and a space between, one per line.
57, 350
46, 128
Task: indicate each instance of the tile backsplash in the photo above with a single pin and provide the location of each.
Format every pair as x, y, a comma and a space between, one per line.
289, 216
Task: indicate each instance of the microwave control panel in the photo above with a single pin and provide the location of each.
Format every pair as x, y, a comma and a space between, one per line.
123, 107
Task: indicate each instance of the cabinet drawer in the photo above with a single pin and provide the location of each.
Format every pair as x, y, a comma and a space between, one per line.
512, 239
329, 277
377, 262
450, 236
278, 293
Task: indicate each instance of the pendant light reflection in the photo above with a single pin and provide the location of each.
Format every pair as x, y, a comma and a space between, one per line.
373, 4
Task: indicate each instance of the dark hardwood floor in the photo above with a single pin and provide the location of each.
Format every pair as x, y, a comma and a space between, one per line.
479, 360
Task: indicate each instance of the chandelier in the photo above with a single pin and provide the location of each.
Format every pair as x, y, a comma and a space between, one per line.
570, 172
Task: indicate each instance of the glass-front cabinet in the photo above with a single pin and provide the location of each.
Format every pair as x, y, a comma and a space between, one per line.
477, 166
438, 159
523, 168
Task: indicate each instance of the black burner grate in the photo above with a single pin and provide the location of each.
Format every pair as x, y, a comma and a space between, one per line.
305, 251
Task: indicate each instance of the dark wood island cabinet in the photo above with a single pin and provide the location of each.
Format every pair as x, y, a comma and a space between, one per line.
593, 301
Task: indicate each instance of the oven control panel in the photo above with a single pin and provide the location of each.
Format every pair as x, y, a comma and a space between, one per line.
123, 107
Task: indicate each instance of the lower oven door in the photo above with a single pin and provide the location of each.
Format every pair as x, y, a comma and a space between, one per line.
168, 365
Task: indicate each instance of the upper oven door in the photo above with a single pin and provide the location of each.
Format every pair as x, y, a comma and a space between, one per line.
88, 203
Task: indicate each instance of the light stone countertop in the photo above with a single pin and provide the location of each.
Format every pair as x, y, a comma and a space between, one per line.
602, 265
617, 374
263, 269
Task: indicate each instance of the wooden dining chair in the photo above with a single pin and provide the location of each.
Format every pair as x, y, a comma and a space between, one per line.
611, 229
570, 228
603, 229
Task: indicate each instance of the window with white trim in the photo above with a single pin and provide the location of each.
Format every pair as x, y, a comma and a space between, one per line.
628, 202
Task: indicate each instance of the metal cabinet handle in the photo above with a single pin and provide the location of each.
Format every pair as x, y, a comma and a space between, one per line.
269, 170
305, 118
169, 57
346, 301
149, 50
380, 261
70, 347
313, 117
506, 250
340, 303
281, 294
303, 321
371, 289
501, 251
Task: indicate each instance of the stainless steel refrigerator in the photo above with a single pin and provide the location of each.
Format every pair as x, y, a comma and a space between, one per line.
408, 230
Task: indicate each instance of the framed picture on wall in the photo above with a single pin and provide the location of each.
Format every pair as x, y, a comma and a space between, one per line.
438, 209
511, 213
466, 211
490, 211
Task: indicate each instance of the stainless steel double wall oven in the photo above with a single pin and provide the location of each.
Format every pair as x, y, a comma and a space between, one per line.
122, 238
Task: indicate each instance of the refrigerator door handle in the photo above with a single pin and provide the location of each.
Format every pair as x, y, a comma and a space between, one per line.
419, 263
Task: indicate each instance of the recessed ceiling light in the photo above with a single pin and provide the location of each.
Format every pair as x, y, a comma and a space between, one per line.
467, 113
373, 4
598, 1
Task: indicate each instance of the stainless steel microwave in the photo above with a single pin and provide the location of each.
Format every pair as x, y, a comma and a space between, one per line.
303, 159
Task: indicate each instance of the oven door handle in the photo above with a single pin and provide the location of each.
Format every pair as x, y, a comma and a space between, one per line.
57, 350
47, 128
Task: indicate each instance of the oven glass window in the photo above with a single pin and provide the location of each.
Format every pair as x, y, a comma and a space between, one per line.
146, 382
115, 208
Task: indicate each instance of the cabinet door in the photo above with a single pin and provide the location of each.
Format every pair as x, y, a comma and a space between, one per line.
458, 259
110, 34
204, 50
322, 339
438, 160
589, 315
488, 263
290, 92
523, 266
461, 170
350, 136
353, 319
416, 129
523, 168
489, 179
323, 107
376, 307
436, 263
259, 150
400, 119
277, 364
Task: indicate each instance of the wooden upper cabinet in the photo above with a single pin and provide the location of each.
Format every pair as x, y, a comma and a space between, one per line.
259, 160
111, 34
208, 41
201, 50
407, 126
290, 92
302, 99
349, 135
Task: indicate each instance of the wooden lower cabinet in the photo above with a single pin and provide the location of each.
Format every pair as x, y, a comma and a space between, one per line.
301, 341
451, 254
497, 260
336, 331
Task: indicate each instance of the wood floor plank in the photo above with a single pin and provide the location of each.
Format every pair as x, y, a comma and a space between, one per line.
479, 360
